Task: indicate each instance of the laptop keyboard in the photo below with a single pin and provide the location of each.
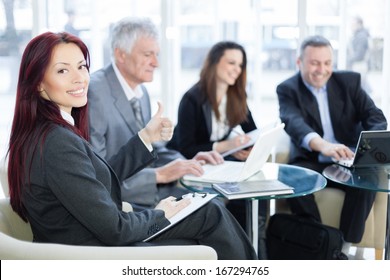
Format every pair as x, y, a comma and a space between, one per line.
229, 171
345, 162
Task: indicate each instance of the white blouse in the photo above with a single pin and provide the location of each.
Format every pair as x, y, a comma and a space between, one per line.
219, 127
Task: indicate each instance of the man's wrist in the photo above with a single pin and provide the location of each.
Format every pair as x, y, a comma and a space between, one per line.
159, 176
145, 139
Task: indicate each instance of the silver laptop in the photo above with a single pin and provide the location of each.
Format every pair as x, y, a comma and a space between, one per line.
237, 171
372, 149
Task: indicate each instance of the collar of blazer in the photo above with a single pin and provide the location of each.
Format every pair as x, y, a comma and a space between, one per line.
336, 100
206, 108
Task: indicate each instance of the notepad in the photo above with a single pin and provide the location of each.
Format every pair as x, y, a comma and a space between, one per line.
254, 134
197, 201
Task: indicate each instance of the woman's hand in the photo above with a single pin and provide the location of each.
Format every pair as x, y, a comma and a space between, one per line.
242, 155
171, 207
227, 145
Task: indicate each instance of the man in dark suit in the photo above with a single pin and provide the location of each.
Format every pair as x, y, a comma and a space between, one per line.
324, 113
113, 92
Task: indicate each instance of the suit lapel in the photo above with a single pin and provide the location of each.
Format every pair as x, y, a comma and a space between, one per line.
120, 100
309, 102
336, 105
145, 105
206, 108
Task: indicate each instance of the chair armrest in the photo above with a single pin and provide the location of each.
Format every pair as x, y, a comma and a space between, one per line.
4, 177
12, 248
281, 151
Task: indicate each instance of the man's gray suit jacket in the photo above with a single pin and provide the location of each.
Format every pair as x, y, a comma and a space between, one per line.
112, 124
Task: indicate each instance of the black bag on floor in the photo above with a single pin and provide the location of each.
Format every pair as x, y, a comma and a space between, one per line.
292, 237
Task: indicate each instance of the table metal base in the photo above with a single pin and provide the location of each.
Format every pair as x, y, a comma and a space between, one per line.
252, 222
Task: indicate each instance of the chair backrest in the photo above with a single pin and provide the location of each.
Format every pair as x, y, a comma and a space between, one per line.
4, 176
11, 224
282, 149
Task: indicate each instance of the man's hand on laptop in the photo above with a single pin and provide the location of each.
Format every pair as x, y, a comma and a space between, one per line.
211, 157
177, 169
333, 150
337, 151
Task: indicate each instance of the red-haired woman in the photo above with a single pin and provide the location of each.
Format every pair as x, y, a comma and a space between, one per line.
68, 193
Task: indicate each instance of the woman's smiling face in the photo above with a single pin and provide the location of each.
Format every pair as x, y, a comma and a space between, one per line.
229, 66
66, 78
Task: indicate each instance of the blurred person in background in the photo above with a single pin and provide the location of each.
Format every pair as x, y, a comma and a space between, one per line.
358, 52
69, 26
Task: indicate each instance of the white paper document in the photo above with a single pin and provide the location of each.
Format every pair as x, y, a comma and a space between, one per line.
254, 134
197, 201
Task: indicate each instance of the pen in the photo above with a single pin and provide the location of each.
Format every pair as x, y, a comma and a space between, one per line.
240, 134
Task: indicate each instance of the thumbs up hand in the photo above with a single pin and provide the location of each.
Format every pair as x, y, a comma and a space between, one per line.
158, 128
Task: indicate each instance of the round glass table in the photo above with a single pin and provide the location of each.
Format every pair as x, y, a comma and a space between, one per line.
303, 180
370, 178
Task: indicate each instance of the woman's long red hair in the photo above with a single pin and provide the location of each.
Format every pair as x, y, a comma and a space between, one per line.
33, 115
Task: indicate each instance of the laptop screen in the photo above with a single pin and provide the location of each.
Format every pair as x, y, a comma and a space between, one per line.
373, 149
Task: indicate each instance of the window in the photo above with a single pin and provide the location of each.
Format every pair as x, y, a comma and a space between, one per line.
269, 30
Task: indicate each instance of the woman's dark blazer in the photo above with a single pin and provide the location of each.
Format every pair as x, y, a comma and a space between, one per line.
194, 124
72, 196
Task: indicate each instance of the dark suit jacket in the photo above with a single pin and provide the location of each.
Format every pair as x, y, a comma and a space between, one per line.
351, 111
112, 124
73, 196
194, 124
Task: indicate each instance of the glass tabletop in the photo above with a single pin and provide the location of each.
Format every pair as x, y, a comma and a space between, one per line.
303, 180
370, 178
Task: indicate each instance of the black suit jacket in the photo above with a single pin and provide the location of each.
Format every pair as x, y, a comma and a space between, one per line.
351, 111
194, 124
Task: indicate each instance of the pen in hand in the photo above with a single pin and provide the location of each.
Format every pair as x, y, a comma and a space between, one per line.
243, 138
